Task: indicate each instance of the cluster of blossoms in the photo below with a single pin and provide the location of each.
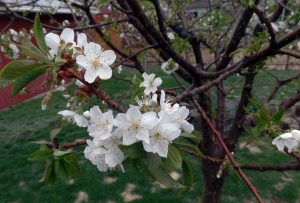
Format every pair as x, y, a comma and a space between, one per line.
89, 55
155, 123
9, 40
290, 141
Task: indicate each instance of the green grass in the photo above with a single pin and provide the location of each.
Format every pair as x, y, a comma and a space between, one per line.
19, 178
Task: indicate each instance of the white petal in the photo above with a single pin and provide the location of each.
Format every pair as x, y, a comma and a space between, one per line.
52, 41
90, 75
114, 157
81, 40
149, 120
157, 82
95, 113
147, 91
186, 126
170, 131
67, 35
81, 121
128, 138
162, 148
92, 50
82, 61
148, 147
143, 135
133, 113
66, 113
121, 121
104, 72
108, 57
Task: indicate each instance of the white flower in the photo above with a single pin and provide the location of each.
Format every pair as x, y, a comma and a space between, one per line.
53, 40
169, 66
171, 35
134, 125
74, 117
81, 40
147, 101
150, 83
15, 51
180, 117
96, 62
96, 155
106, 153
165, 105
101, 124
161, 136
288, 140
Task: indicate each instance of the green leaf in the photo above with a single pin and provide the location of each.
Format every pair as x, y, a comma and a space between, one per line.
277, 115
190, 147
61, 153
159, 173
25, 79
133, 151
174, 159
188, 177
72, 164
28, 49
194, 136
50, 175
15, 69
39, 33
40, 154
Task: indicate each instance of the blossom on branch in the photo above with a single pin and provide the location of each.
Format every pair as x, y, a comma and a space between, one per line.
150, 83
53, 41
96, 62
289, 140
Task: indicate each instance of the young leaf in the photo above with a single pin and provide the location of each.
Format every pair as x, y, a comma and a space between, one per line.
25, 79
40, 154
39, 34
50, 174
72, 164
188, 177
15, 69
277, 115
28, 49
159, 173
174, 159
61, 153
133, 151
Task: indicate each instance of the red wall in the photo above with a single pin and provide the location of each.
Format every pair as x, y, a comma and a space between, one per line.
36, 87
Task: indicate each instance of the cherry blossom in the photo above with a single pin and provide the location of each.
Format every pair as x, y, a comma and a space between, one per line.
135, 126
74, 117
101, 124
96, 62
161, 136
289, 140
150, 83
53, 41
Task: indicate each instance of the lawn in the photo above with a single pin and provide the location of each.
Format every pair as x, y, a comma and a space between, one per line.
19, 178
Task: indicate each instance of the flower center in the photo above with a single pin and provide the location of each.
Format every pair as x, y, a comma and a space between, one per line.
95, 64
135, 126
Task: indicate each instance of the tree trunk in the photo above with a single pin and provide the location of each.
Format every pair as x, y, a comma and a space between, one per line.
212, 186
